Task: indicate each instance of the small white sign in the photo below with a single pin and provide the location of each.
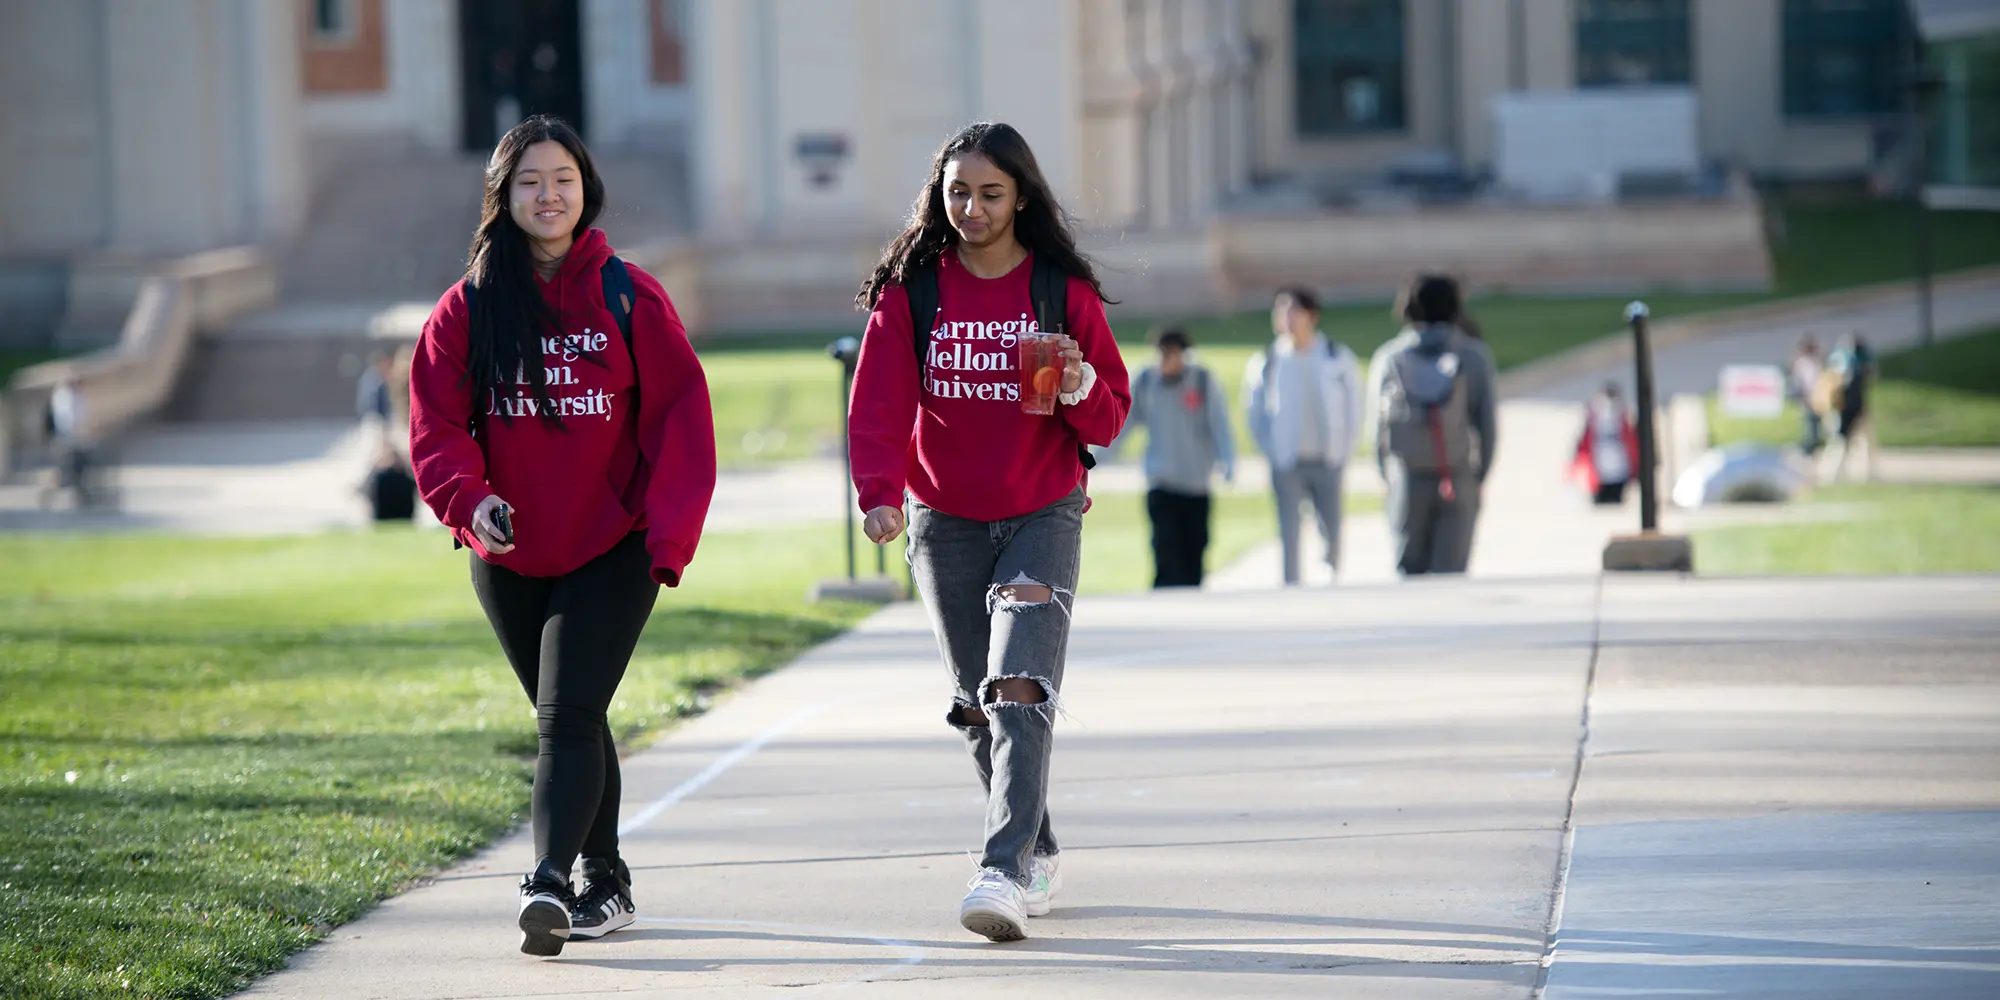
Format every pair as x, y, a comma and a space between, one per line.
1753, 390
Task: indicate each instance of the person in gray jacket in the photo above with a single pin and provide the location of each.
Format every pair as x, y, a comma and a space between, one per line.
1302, 398
1431, 400
1186, 416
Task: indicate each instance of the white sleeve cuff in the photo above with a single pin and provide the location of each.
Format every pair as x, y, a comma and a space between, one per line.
1082, 388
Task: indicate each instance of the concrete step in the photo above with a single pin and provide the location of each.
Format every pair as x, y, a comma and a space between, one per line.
297, 362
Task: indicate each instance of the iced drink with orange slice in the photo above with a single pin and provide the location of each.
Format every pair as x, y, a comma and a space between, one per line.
1041, 372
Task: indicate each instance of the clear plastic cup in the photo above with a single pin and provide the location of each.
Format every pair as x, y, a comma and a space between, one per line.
1041, 373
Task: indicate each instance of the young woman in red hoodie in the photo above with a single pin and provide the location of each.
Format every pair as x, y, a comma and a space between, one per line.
577, 463
994, 495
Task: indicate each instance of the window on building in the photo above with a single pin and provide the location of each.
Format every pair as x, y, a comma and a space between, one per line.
669, 54
333, 21
1844, 57
1348, 55
1632, 42
1965, 121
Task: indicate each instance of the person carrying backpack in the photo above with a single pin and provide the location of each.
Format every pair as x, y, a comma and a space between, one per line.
560, 427
993, 497
1186, 416
1431, 392
1851, 369
1302, 399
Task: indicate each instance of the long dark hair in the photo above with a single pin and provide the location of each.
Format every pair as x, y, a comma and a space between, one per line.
508, 317
1041, 225
1431, 298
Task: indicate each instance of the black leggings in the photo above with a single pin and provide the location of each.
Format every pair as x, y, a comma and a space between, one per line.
569, 639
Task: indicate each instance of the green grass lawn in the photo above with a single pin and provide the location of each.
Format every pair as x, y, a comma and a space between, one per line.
1819, 246
1943, 396
1894, 531
213, 750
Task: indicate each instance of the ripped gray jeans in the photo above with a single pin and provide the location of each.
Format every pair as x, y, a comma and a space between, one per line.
960, 566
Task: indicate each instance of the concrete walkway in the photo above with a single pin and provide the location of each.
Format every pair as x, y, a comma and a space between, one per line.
1713, 788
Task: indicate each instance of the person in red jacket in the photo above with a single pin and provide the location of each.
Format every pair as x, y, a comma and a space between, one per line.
994, 495
1607, 453
577, 464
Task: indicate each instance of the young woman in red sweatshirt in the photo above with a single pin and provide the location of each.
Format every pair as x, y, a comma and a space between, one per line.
992, 496
577, 464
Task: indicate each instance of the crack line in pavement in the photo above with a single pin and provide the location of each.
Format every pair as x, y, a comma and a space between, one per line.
1567, 853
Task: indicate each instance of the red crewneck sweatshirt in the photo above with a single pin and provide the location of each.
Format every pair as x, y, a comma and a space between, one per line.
611, 468
954, 436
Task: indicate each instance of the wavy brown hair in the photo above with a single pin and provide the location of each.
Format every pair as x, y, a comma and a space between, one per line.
508, 316
1041, 225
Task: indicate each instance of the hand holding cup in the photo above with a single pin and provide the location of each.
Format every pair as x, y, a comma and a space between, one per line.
1071, 354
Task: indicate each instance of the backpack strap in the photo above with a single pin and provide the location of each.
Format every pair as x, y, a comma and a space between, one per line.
920, 286
1048, 291
620, 298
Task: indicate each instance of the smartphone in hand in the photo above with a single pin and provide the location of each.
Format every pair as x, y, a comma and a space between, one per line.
503, 518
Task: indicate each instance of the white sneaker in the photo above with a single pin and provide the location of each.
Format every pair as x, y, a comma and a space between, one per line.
1043, 883
544, 920
993, 907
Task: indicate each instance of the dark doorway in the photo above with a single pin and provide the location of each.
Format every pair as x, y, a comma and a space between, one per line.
521, 58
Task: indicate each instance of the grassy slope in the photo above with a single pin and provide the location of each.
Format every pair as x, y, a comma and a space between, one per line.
1896, 530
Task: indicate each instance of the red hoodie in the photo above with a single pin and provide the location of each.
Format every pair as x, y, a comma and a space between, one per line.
608, 471
956, 437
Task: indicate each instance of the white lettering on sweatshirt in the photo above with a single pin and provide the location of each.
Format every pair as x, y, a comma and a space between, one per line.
558, 372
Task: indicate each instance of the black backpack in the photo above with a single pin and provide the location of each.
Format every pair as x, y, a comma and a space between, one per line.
1048, 289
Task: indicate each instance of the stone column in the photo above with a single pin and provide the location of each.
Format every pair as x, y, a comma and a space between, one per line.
728, 175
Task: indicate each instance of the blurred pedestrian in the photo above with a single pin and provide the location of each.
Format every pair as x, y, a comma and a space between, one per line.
69, 447
1431, 390
559, 377
1608, 450
1302, 399
1853, 365
1806, 369
940, 424
1186, 416
371, 395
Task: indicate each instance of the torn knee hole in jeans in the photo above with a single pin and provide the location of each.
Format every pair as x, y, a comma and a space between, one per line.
1047, 706
1025, 593
965, 715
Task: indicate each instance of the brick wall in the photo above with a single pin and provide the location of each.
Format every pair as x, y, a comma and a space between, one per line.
669, 66
349, 60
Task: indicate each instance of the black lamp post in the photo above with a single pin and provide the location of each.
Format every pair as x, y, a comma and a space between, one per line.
1642, 359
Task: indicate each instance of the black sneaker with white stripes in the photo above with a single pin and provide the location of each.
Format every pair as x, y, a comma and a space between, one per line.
546, 898
605, 904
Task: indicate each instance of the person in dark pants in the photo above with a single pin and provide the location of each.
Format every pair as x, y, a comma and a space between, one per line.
591, 418
1436, 432
1186, 416
992, 494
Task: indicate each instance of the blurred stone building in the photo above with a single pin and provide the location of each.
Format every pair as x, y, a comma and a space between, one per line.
762, 148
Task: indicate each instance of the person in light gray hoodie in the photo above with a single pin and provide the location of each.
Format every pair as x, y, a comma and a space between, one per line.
1302, 398
1186, 415
1432, 405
